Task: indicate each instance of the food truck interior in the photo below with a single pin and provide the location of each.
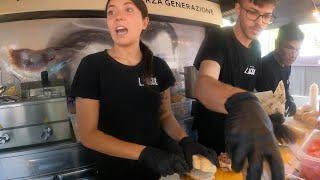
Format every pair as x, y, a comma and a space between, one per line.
40, 52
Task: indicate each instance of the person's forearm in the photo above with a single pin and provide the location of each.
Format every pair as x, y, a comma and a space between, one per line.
106, 144
172, 127
167, 119
213, 94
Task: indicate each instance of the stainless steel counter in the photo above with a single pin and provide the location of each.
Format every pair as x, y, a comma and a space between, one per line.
51, 161
32, 122
25, 113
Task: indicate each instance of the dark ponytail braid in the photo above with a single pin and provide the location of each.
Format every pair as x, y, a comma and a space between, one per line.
148, 63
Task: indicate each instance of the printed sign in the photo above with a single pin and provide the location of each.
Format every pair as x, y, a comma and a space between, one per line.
196, 10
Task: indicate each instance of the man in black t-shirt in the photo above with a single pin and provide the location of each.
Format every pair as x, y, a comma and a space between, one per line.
276, 66
229, 117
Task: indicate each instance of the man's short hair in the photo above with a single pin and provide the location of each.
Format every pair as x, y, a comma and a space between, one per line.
290, 32
261, 2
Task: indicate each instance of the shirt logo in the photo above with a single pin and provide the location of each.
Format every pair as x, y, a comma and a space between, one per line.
153, 82
251, 70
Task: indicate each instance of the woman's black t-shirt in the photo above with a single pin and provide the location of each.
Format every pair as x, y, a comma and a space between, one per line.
129, 109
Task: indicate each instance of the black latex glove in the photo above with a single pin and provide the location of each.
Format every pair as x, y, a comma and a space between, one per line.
162, 162
281, 131
249, 135
191, 148
292, 108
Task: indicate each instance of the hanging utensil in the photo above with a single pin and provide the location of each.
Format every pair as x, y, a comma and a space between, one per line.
2, 89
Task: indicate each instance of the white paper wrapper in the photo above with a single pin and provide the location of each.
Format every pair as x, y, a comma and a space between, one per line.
273, 102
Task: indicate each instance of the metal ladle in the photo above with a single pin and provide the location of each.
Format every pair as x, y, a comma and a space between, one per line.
2, 89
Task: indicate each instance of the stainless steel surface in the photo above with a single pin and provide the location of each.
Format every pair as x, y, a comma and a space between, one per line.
36, 89
57, 91
44, 162
8, 99
50, 177
37, 134
84, 174
35, 150
190, 76
33, 112
32, 134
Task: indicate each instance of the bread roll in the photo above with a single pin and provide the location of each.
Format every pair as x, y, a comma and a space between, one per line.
202, 168
203, 164
312, 121
207, 166
298, 115
225, 162
310, 114
196, 162
306, 108
200, 175
310, 118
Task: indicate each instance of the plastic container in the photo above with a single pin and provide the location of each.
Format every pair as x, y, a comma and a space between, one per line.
310, 164
182, 110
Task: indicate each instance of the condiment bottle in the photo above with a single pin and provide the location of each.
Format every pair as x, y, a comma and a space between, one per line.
314, 91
